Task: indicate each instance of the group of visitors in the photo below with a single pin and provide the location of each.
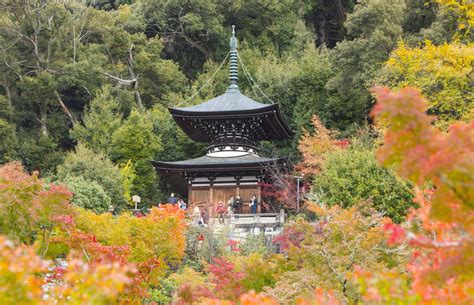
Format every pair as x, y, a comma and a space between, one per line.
235, 206
173, 200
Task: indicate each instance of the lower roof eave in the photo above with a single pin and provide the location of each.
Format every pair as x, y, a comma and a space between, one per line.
178, 168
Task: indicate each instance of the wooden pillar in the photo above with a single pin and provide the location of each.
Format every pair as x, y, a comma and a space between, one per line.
237, 192
211, 197
259, 198
190, 193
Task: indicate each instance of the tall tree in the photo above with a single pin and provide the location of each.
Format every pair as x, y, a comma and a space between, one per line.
327, 18
373, 31
136, 141
192, 30
443, 73
441, 231
100, 121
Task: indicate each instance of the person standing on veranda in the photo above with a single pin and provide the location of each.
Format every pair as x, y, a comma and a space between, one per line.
196, 214
220, 212
172, 199
238, 205
253, 204
231, 205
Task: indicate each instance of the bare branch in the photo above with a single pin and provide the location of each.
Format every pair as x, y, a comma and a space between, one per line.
65, 109
126, 82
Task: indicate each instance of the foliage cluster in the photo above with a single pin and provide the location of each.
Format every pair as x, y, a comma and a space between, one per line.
345, 172
426, 260
105, 258
440, 231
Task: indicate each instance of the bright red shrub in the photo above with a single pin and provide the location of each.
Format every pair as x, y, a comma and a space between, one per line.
226, 279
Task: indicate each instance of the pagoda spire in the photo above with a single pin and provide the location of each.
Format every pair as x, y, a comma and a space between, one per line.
234, 63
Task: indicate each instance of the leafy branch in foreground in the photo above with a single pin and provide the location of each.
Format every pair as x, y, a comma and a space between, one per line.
441, 231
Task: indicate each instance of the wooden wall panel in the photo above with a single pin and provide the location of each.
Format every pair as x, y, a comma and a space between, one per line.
219, 195
200, 196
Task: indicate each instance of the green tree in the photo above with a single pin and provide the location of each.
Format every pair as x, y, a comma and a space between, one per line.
193, 30
443, 73
7, 141
92, 166
176, 144
87, 194
314, 70
420, 15
135, 59
108, 4
46, 76
136, 141
7, 131
454, 22
38, 154
269, 26
100, 121
327, 19
40, 91
351, 176
160, 79
373, 31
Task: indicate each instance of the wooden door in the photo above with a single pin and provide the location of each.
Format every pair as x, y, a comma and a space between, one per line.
200, 196
223, 194
219, 195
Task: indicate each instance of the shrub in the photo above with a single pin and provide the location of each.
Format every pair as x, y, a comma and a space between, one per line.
95, 167
352, 175
88, 194
325, 253
28, 205
256, 244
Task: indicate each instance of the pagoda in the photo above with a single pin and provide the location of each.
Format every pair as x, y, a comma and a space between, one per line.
232, 124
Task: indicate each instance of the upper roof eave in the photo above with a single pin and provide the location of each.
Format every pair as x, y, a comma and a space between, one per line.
183, 111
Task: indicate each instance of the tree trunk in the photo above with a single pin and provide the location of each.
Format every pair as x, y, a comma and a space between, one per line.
138, 98
43, 116
9, 98
65, 109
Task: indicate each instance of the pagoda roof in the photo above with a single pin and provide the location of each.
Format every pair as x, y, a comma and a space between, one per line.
232, 101
206, 163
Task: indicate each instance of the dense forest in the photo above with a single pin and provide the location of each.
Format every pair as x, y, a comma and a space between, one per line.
84, 94
101, 74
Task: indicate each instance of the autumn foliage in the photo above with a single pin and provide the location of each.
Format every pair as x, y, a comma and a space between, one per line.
23, 279
28, 205
108, 258
441, 231
313, 146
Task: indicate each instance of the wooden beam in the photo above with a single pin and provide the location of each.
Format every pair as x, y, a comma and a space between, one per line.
259, 199
211, 198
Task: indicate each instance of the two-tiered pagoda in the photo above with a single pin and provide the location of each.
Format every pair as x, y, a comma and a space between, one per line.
232, 124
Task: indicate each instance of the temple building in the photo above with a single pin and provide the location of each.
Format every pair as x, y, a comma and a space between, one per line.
232, 124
